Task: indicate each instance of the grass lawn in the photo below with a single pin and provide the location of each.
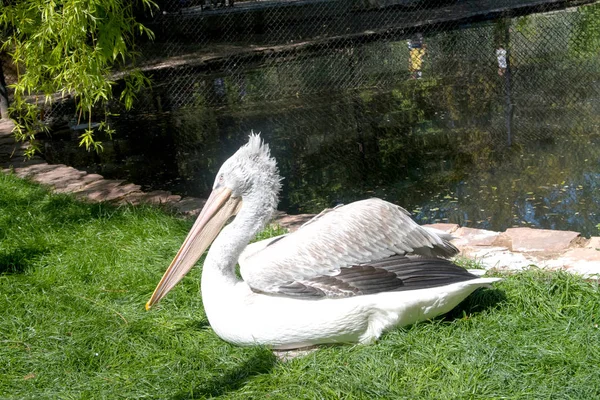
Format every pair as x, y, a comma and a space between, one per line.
74, 279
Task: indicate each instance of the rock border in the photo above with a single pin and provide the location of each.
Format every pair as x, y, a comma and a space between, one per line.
519, 248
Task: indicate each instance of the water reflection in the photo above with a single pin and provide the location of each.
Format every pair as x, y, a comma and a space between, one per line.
349, 124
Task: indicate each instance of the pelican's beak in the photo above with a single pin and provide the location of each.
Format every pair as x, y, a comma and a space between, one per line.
219, 207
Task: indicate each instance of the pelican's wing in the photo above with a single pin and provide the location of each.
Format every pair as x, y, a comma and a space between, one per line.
254, 248
362, 244
394, 273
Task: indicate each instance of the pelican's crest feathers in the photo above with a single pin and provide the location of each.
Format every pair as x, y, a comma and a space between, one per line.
255, 158
257, 150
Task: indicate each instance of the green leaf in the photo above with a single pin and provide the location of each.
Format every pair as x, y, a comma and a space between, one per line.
72, 48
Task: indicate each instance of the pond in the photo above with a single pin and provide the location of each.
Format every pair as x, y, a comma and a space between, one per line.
433, 121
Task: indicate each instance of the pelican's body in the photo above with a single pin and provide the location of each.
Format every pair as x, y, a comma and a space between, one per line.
247, 318
346, 276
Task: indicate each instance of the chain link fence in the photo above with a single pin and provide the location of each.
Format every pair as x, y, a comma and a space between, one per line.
478, 112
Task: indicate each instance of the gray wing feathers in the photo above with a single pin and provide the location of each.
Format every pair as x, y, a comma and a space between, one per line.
350, 235
393, 274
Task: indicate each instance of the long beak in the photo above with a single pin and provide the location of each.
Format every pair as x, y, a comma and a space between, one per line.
219, 207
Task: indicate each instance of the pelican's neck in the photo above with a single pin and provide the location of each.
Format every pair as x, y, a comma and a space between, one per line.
222, 257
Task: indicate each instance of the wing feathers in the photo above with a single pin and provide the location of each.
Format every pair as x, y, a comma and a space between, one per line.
392, 274
357, 238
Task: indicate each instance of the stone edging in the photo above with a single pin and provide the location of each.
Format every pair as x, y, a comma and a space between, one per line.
520, 248
514, 249
91, 187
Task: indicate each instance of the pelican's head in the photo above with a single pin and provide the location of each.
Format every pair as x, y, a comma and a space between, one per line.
250, 174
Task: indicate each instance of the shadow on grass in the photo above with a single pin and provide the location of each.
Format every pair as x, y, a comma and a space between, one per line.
69, 210
197, 325
17, 260
479, 301
54, 206
261, 362
46, 216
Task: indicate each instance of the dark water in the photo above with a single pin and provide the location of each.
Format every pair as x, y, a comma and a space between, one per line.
360, 122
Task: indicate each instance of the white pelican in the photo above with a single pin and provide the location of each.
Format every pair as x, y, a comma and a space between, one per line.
345, 276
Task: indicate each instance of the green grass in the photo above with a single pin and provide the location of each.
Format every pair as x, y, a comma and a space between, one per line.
74, 278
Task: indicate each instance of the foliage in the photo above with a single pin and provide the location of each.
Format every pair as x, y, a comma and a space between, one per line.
586, 35
70, 48
74, 278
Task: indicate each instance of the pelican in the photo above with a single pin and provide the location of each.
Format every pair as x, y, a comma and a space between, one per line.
347, 275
